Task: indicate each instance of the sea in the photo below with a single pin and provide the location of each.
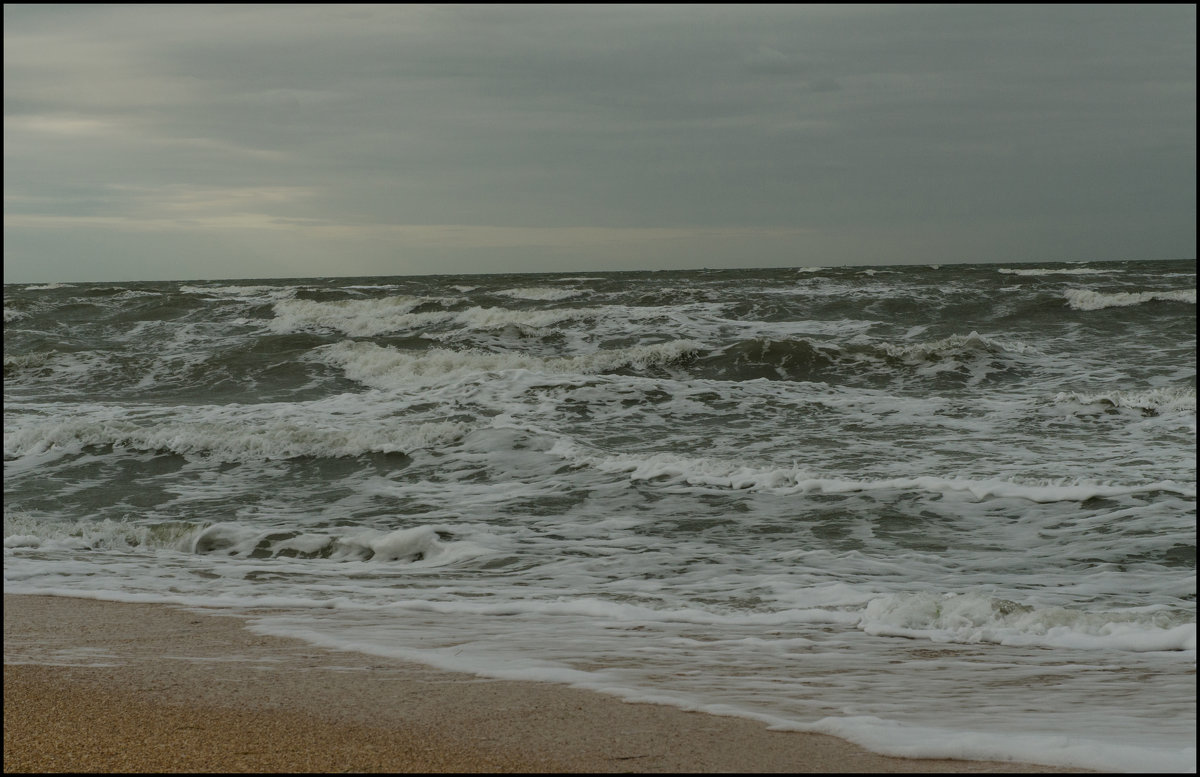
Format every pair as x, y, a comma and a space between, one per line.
941, 511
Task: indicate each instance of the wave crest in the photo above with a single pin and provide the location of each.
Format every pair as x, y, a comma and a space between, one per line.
958, 346
368, 318
719, 474
419, 546
975, 617
1152, 402
388, 368
227, 435
357, 318
803, 359
1086, 299
542, 293
1036, 272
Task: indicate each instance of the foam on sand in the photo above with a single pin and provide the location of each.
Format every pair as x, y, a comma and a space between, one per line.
153, 666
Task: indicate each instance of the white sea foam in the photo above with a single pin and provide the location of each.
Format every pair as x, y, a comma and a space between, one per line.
418, 547
542, 293
69, 368
14, 315
227, 432
478, 318
888, 737
981, 571
1086, 299
367, 318
906, 737
238, 291
386, 367
977, 355
138, 293
727, 475
957, 345
49, 286
243, 294
357, 318
25, 530
1177, 399
976, 617
25, 361
1035, 272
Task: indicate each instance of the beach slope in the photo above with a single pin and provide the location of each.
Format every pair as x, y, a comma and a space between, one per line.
98, 686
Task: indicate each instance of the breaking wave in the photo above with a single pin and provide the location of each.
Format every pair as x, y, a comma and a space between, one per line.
1085, 299
57, 365
229, 433
240, 292
542, 293
957, 347
726, 475
388, 368
420, 546
357, 318
975, 617
368, 318
22, 530
802, 359
1062, 271
1152, 402
49, 286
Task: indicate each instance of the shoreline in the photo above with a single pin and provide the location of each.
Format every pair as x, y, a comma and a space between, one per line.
93, 685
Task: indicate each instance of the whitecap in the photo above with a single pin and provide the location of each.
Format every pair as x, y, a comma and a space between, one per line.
357, 318
49, 286
542, 293
389, 368
977, 617
713, 473
1154, 401
229, 432
1086, 299
958, 345
1035, 272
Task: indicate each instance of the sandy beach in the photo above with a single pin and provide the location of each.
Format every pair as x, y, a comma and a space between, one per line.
102, 686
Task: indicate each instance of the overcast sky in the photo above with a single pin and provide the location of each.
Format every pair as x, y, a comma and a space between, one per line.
187, 142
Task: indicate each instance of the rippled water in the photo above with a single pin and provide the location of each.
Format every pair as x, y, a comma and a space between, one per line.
940, 511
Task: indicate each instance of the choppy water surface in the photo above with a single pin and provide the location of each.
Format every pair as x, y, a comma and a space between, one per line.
941, 511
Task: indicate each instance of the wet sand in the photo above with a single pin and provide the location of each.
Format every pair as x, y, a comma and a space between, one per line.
102, 686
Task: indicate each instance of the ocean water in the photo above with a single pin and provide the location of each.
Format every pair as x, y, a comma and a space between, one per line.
938, 511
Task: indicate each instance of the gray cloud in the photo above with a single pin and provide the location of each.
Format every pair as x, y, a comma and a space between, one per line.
315, 140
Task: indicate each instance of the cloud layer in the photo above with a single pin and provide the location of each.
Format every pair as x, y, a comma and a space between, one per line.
146, 142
